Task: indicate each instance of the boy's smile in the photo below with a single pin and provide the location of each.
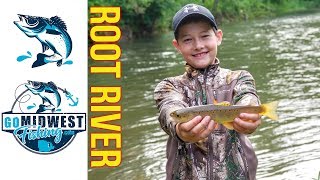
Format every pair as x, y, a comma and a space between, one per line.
200, 55
197, 42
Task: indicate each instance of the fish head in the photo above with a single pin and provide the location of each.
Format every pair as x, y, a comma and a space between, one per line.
35, 87
47, 91
174, 114
30, 25
178, 117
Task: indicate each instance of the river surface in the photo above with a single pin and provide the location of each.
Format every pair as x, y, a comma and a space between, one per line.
283, 55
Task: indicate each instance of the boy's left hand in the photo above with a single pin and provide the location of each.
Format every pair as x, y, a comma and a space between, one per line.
246, 123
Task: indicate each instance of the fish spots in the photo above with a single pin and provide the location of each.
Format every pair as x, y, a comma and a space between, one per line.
24, 57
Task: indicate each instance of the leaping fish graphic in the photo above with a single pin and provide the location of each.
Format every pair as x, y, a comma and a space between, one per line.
49, 94
52, 34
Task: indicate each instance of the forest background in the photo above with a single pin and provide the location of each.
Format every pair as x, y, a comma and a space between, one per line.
145, 18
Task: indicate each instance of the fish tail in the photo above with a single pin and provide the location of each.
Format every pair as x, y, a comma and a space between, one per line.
270, 109
39, 61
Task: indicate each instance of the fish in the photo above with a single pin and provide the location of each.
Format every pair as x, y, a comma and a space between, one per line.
224, 113
51, 33
48, 92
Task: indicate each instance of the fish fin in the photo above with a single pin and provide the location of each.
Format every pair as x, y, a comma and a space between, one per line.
41, 108
39, 61
52, 85
53, 32
270, 109
56, 20
59, 63
44, 47
223, 103
216, 126
228, 125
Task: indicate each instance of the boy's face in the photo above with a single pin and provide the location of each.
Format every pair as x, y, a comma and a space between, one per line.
197, 42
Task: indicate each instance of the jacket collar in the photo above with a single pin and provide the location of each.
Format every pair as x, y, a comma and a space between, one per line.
210, 70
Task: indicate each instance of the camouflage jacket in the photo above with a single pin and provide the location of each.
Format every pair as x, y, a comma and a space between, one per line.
225, 154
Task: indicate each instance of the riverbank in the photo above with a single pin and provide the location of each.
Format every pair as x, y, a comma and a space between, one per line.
128, 34
224, 20
147, 18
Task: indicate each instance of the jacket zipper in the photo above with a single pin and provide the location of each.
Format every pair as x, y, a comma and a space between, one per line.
210, 139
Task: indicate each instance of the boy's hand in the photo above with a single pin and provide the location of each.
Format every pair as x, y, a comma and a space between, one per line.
246, 123
196, 129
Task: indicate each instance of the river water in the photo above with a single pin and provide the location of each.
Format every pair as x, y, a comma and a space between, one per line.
283, 55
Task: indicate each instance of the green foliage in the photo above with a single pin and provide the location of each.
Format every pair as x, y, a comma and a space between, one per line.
142, 18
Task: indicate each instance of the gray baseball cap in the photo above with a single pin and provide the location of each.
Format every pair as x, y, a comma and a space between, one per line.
192, 9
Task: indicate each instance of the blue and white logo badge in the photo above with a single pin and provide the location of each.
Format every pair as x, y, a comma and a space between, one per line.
52, 35
38, 119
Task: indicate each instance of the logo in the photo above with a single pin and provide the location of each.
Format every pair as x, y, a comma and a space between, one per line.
192, 7
42, 117
52, 36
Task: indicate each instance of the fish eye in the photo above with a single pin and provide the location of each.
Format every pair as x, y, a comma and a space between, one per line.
36, 84
32, 21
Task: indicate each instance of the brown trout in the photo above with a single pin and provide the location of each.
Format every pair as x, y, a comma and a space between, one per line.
224, 114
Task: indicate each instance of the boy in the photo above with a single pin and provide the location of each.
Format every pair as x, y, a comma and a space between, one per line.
199, 149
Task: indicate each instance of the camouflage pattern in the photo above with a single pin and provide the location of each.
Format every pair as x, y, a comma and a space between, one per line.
225, 154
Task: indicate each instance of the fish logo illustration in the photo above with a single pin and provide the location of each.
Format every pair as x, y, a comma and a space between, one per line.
49, 94
40, 118
52, 34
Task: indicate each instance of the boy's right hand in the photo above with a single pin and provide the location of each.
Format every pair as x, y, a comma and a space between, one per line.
196, 129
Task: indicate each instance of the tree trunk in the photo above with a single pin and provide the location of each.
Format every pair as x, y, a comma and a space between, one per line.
215, 6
